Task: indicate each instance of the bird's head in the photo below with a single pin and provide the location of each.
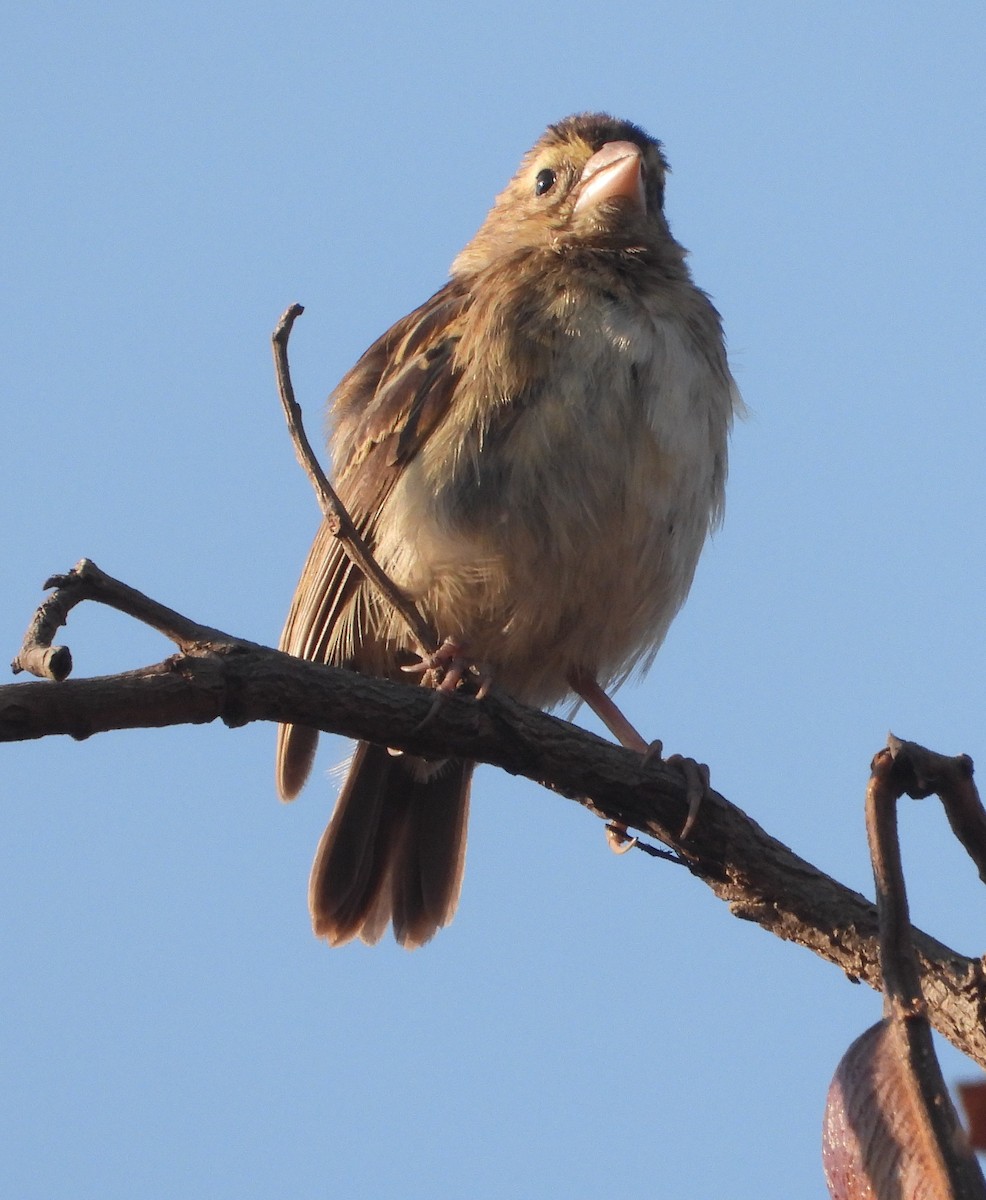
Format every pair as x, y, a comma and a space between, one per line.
591, 181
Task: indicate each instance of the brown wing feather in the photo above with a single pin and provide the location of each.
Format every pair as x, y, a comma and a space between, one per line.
384, 410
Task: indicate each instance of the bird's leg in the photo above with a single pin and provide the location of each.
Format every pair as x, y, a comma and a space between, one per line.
608, 711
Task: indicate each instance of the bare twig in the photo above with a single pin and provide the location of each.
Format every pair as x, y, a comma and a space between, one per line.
338, 519
898, 965
37, 654
925, 773
87, 582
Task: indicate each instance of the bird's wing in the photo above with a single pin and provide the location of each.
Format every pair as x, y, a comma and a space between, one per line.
385, 408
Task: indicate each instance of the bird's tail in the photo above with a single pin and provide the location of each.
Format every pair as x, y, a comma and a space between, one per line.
394, 850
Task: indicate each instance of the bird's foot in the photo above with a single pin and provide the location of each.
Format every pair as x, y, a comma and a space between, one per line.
696, 774
697, 786
446, 670
697, 781
449, 667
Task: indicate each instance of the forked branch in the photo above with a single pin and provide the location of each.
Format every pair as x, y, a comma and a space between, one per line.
218, 676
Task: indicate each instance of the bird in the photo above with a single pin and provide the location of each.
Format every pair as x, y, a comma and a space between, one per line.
535, 456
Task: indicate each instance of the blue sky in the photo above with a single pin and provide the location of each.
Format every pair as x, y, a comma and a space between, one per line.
175, 176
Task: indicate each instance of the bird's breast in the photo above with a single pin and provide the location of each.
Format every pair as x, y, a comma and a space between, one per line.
566, 529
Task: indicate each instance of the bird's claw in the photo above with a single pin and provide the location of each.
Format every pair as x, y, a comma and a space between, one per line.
437, 700
697, 785
618, 838
447, 668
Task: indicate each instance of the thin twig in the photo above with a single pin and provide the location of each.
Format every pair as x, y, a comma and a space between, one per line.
898, 965
37, 655
87, 582
337, 518
949, 778
657, 852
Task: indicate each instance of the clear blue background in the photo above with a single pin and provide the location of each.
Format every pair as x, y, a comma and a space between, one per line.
174, 176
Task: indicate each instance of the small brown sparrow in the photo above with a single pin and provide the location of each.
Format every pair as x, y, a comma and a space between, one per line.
536, 456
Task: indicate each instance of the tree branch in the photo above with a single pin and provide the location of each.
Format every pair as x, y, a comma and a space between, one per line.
221, 677
218, 676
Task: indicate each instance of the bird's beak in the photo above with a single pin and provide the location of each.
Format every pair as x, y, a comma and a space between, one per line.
614, 172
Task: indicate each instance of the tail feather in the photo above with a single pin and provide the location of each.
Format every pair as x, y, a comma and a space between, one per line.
393, 851
355, 851
430, 859
296, 745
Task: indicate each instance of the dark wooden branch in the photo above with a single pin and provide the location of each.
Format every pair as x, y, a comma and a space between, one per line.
891, 1129
237, 681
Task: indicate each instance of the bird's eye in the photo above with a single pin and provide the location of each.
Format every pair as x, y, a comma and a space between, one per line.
544, 181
